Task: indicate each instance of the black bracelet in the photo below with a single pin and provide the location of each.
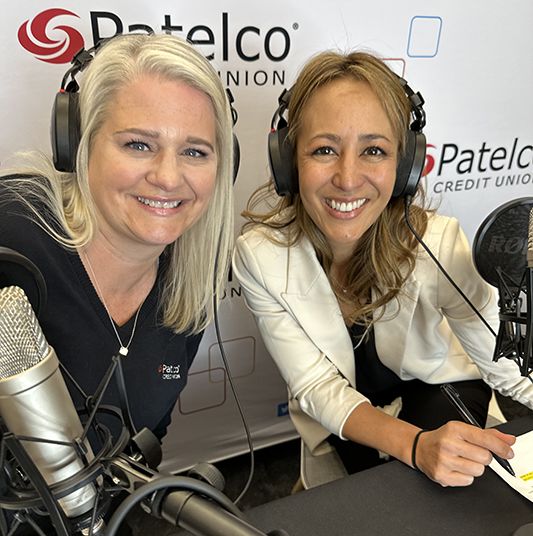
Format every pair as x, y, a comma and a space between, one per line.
413, 450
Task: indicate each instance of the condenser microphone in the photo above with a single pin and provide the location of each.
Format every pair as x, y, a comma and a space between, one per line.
503, 255
501, 243
35, 404
17, 270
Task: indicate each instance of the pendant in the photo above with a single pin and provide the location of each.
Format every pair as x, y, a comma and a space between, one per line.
123, 351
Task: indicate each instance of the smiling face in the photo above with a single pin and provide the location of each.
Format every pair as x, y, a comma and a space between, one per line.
153, 163
346, 157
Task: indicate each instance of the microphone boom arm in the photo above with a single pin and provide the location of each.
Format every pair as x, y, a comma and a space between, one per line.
186, 506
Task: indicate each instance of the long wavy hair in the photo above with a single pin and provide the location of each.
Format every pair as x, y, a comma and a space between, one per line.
385, 255
199, 259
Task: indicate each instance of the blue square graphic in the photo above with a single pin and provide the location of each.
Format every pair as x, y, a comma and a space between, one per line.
424, 37
283, 409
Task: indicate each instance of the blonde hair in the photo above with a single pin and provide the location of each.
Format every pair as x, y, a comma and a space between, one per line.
385, 255
199, 259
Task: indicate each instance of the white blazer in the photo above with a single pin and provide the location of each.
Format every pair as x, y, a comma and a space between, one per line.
430, 333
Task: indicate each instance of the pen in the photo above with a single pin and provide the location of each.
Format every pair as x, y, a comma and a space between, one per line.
453, 396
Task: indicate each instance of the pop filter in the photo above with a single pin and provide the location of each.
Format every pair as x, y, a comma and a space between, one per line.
17, 270
500, 244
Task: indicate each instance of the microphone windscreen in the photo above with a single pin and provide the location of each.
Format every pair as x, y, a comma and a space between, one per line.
17, 270
22, 341
500, 244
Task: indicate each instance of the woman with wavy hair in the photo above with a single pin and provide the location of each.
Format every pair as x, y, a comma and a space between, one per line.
359, 320
134, 239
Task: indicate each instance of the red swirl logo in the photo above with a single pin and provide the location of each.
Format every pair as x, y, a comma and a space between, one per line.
34, 37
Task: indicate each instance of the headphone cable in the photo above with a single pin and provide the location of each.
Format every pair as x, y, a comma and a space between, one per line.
408, 200
237, 401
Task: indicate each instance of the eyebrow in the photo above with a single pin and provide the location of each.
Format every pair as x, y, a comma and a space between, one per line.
362, 137
155, 135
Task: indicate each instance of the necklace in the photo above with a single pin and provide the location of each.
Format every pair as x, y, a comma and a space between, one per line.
124, 349
362, 337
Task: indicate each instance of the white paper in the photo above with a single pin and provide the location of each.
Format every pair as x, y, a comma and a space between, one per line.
522, 465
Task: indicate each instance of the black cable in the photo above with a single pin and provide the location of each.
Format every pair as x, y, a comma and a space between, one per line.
408, 200
241, 412
171, 482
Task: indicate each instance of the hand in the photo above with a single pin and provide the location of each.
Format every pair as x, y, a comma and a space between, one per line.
456, 453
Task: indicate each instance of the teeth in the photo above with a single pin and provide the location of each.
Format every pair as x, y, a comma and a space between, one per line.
345, 207
158, 204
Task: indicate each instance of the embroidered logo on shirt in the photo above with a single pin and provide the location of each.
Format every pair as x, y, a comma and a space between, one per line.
169, 372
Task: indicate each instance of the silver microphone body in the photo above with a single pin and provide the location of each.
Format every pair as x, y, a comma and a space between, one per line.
35, 402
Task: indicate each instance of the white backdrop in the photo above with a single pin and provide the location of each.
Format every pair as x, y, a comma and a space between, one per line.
470, 60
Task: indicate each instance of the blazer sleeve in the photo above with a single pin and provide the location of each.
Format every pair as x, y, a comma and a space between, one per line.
475, 337
312, 379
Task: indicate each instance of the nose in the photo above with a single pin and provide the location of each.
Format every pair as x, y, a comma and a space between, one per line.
349, 172
166, 172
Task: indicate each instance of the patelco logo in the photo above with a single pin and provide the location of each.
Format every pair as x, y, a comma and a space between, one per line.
247, 54
34, 36
451, 168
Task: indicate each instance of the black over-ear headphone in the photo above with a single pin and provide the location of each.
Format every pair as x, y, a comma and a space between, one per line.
409, 169
65, 124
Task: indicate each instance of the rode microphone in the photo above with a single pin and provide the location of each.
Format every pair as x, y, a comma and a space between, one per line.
17, 270
37, 410
503, 255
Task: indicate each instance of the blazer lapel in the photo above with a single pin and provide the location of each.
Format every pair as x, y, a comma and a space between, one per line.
312, 302
393, 329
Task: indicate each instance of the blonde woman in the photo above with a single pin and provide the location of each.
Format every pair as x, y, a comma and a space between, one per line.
132, 240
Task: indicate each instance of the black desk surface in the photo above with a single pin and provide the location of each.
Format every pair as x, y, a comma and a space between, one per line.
395, 500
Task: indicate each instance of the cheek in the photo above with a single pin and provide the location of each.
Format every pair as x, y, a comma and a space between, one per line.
306, 195
310, 177
386, 182
205, 185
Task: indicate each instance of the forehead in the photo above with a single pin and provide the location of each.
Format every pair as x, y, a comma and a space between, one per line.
344, 100
152, 90
160, 106
347, 88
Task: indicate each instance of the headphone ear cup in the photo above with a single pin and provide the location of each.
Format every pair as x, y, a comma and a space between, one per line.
65, 130
411, 165
236, 157
280, 156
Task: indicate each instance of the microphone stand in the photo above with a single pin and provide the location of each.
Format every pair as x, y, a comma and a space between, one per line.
26, 501
515, 334
57, 515
194, 506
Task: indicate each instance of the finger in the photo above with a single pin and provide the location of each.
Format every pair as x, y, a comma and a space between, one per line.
507, 438
464, 452
492, 440
440, 459
457, 479
464, 475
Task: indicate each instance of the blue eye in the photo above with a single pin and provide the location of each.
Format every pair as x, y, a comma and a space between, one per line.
194, 153
137, 145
